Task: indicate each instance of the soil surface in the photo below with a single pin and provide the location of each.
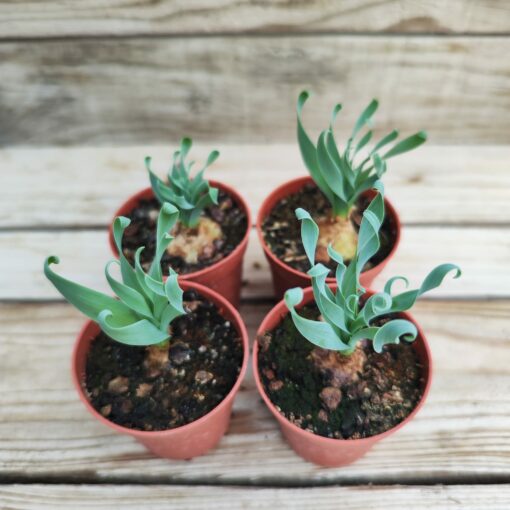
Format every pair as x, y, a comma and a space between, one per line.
142, 232
159, 388
282, 230
338, 396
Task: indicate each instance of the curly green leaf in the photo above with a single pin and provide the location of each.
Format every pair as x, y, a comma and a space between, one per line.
189, 195
406, 145
317, 332
146, 305
434, 279
345, 320
90, 302
139, 333
309, 233
334, 171
394, 331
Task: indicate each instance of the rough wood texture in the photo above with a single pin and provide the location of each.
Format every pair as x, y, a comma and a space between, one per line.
461, 435
244, 88
72, 187
36, 497
124, 17
454, 203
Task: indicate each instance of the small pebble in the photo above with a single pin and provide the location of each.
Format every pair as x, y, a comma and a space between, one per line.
203, 377
118, 385
323, 416
275, 385
331, 397
153, 215
106, 410
179, 352
269, 374
143, 389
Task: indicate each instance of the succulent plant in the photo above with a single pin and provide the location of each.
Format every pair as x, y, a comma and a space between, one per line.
341, 175
345, 319
189, 195
146, 304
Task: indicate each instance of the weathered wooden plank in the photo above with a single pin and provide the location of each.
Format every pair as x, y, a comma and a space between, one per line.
440, 497
462, 434
244, 89
84, 186
123, 17
482, 253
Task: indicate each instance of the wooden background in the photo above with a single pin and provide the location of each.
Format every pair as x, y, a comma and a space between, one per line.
114, 80
125, 71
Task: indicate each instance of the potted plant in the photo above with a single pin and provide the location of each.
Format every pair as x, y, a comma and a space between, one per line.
211, 235
164, 361
326, 361
337, 192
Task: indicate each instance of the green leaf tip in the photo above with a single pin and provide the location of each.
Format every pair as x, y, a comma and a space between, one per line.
190, 195
139, 316
51, 259
406, 145
302, 98
309, 233
344, 322
344, 174
169, 208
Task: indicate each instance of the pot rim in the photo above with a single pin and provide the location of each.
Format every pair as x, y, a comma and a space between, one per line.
238, 250
219, 301
281, 310
389, 208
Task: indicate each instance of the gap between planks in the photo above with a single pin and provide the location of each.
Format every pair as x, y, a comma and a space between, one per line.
460, 436
311, 34
101, 228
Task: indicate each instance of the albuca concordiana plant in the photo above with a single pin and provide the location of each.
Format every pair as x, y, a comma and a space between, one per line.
344, 321
146, 305
343, 175
189, 195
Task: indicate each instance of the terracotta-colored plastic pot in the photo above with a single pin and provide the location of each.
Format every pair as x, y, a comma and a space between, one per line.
225, 276
323, 450
286, 277
187, 441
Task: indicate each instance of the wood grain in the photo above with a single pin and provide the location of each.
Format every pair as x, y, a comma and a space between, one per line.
474, 497
461, 435
172, 17
84, 253
243, 89
83, 186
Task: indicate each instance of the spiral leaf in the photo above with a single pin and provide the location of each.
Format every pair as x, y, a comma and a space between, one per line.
146, 305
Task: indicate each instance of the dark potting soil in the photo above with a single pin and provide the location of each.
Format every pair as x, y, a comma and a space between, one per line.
142, 232
314, 391
159, 388
282, 230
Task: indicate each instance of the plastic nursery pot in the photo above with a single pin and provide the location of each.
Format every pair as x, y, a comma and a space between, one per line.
322, 450
224, 276
286, 277
189, 440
